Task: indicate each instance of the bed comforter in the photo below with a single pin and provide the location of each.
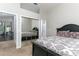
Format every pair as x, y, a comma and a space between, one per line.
61, 45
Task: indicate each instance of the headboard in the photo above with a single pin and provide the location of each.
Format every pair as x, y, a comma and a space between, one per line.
70, 27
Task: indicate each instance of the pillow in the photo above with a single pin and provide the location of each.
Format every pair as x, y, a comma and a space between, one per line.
77, 35
68, 34
63, 33
74, 35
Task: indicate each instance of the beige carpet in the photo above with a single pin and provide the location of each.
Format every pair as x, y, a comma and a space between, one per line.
7, 48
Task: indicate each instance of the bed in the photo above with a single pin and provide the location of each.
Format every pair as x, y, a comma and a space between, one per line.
58, 45
29, 35
32, 34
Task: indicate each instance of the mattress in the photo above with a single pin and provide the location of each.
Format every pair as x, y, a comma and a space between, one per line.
61, 45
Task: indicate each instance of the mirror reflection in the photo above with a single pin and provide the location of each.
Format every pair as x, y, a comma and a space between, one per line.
6, 26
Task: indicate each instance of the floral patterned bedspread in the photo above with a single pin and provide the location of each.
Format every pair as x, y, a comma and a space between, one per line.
61, 45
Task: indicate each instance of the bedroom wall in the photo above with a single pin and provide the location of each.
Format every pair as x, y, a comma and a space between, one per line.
43, 17
61, 15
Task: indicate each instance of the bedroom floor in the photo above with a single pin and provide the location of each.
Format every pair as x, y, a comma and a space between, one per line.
7, 48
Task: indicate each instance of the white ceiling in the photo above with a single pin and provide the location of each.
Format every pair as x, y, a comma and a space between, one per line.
48, 6
41, 6
30, 6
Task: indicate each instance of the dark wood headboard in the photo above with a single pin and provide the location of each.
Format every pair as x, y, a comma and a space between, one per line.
70, 27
